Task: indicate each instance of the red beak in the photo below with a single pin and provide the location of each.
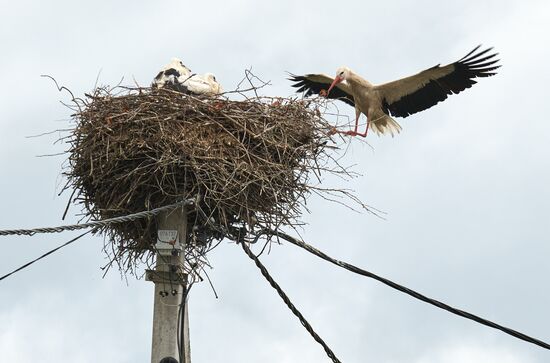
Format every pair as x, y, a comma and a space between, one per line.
337, 80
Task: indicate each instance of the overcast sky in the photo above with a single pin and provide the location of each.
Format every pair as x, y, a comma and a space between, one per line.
464, 186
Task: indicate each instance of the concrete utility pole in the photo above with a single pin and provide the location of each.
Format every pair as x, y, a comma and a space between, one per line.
170, 284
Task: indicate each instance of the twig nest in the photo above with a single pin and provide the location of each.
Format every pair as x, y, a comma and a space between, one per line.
247, 163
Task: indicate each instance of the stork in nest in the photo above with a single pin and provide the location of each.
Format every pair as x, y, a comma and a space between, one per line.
176, 76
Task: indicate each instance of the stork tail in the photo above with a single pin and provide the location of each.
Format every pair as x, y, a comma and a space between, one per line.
385, 125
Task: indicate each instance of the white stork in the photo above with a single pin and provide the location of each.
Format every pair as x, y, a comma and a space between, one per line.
399, 98
172, 76
178, 77
203, 84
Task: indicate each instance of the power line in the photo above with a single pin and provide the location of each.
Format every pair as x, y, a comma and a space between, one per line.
45, 255
287, 301
97, 224
101, 223
94, 225
180, 331
406, 290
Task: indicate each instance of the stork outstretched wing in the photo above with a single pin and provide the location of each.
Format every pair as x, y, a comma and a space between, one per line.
425, 89
317, 83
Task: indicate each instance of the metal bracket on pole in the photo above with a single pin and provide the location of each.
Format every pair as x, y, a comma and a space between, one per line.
166, 277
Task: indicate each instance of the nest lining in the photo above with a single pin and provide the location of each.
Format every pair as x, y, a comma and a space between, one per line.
247, 163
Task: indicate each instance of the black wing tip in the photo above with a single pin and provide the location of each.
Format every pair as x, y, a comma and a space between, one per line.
295, 78
467, 55
474, 56
291, 75
480, 63
297, 82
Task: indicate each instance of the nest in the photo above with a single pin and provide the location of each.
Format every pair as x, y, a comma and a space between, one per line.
247, 164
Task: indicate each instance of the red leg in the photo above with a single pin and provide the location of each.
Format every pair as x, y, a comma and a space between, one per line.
357, 114
366, 130
354, 132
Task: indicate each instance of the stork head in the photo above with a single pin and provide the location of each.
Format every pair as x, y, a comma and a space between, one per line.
176, 63
211, 79
342, 74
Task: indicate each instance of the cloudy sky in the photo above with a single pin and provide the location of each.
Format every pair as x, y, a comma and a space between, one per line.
464, 186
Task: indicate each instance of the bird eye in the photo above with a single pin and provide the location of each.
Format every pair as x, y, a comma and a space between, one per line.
214, 78
342, 73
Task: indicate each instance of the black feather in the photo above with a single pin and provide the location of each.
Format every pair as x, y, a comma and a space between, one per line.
471, 66
308, 87
172, 72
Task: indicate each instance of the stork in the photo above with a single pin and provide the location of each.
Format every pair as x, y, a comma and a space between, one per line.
203, 84
176, 76
400, 98
172, 76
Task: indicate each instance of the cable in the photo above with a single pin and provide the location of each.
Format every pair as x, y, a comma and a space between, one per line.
101, 223
180, 330
94, 225
287, 301
44, 255
180, 338
408, 291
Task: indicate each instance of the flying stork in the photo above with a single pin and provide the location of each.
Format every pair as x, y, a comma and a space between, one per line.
400, 98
